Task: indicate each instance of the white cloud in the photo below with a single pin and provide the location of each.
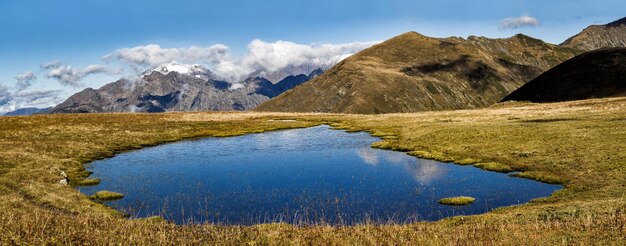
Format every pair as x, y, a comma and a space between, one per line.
28, 99
5, 96
271, 57
154, 55
67, 75
51, 64
261, 56
368, 155
25, 80
517, 22
36, 96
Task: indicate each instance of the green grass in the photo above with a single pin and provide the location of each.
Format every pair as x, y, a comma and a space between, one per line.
438, 156
584, 153
88, 182
106, 195
494, 166
540, 176
457, 201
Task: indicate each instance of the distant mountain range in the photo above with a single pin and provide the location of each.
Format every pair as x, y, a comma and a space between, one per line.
595, 74
178, 87
293, 70
412, 72
28, 111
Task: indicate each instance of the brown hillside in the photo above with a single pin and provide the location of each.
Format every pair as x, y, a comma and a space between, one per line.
412, 72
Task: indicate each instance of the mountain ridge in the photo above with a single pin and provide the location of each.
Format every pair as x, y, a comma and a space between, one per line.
27, 111
594, 37
412, 72
174, 87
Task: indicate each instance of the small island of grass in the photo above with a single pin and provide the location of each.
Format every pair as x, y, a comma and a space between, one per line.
89, 182
107, 195
457, 201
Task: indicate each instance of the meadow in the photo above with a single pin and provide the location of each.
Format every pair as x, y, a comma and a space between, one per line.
579, 144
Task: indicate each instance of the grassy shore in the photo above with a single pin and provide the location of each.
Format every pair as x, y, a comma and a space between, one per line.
579, 144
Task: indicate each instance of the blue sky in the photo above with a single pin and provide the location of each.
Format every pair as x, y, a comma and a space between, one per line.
79, 33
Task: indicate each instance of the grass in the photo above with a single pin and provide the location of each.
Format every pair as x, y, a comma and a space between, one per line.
88, 182
106, 195
494, 166
585, 153
457, 201
540, 176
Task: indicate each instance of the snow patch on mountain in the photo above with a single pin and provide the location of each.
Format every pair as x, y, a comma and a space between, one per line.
195, 70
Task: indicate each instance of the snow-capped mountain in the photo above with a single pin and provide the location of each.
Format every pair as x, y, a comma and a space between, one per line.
195, 70
179, 87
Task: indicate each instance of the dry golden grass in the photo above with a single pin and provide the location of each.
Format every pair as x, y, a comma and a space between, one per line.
580, 144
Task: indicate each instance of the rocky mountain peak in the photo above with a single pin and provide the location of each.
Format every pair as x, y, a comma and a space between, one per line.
599, 36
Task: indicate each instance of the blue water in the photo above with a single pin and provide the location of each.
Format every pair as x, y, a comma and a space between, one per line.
301, 176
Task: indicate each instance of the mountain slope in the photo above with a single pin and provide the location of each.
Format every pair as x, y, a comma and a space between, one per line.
599, 36
595, 74
27, 111
175, 87
412, 72
271, 90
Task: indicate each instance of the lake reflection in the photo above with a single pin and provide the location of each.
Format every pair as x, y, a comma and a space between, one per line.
423, 171
300, 176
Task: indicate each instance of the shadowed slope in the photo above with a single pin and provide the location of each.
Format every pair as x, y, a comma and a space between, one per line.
595, 74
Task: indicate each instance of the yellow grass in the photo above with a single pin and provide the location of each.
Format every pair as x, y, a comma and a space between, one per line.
579, 144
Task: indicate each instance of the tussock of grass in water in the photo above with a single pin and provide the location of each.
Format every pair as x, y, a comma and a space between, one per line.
106, 195
457, 201
89, 182
584, 152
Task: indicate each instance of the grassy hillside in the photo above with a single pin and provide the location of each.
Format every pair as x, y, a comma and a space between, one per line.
412, 72
580, 144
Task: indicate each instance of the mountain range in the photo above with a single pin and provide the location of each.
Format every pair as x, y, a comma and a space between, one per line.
407, 73
178, 87
28, 111
412, 72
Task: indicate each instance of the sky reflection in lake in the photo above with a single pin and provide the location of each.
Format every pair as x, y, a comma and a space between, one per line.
312, 175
